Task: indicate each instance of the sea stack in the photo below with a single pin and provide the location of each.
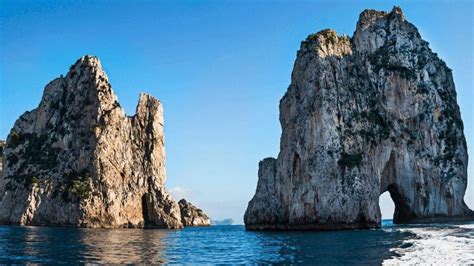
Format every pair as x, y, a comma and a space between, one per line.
364, 115
78, 160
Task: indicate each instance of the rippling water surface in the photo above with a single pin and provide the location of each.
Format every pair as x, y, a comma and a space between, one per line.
221, 244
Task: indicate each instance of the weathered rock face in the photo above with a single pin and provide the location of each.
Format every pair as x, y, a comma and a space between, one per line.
2, 146
78, 160
191, 215
362, 116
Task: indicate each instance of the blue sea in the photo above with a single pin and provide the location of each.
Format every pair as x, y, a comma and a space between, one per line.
392, 244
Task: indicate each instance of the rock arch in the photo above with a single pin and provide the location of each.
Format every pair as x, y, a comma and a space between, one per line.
389, 183
363, 115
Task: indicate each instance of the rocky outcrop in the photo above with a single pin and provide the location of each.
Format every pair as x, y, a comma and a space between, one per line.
363, 115
78, 160
191, 215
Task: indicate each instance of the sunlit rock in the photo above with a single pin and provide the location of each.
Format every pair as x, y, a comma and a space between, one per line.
78, 160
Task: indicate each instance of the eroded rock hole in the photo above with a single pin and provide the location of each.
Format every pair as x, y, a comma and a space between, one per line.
391, 201
387, 207
145, 211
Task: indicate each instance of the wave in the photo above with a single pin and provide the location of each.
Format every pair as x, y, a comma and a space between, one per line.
436, 244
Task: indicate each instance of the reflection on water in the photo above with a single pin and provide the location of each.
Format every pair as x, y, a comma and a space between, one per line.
218, 244
122, 246
49, 244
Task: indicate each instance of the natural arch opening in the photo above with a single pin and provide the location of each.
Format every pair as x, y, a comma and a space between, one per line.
387, 206
392, 201
401, 211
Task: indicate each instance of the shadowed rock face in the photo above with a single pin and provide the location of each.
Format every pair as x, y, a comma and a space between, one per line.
78, 160
191, 215
2, 146
363, 115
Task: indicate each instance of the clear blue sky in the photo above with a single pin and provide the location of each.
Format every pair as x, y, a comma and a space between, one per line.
219, 67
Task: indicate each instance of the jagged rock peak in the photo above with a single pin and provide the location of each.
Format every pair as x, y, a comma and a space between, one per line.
87, 61
78, 160
370, 16
191, 215
377, 24
364, 116
88, 66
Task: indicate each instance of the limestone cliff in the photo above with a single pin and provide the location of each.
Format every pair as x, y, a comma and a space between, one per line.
2, 146
191, 215
363, 115
78, 160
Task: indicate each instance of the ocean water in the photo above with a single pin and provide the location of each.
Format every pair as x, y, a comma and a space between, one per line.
440, 243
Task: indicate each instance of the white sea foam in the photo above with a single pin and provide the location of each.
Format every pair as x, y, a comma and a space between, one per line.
469, 226
436, 245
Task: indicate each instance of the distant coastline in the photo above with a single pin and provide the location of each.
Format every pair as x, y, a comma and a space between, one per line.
227, 221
